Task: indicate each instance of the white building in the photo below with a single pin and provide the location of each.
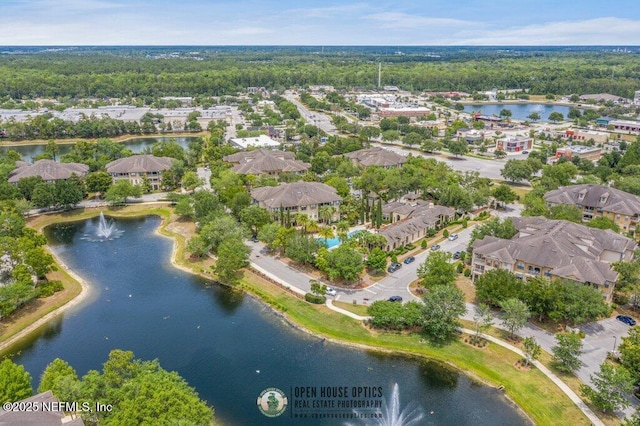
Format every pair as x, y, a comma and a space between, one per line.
261, 141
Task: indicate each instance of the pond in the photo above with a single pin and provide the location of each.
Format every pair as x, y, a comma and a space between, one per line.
228, 345
137, 145
519, 111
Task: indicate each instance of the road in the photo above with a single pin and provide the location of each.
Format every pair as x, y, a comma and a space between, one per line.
318, 119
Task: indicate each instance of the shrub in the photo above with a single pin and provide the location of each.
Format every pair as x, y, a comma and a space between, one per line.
467, 272
445, 233
423, 244
313, 298
460, 267
46, 289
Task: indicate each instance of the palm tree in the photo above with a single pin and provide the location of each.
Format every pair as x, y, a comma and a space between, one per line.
326, 232
326, 213
303, 221
313, 227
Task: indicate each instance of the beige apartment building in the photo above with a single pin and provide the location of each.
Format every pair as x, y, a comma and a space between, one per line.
298, 197
599, 201
136, 167
555, 249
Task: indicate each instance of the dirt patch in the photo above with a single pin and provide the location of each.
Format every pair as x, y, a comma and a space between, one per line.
186, 229
521, 365
467, 287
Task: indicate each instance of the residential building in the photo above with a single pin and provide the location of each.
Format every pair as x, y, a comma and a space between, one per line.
137, 167
376, 156
590, 153
636, 98
40, 409
298, 197
555, 249
599, 201
411, 222
266, 162
48, 170
514, 144
261, 141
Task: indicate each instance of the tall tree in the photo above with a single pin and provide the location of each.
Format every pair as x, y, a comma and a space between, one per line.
15, 382
437, 270
443, 306
611, 388
531, 349
566, 353
515, 314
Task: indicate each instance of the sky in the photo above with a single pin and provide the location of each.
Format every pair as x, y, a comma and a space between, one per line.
311, 22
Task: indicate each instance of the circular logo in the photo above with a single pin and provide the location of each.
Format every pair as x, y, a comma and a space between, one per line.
272, 402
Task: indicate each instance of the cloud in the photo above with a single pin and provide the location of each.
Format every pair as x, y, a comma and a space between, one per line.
406, 21
346, 10
599, 31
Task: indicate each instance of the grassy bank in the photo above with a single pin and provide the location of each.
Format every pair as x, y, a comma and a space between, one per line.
543, 402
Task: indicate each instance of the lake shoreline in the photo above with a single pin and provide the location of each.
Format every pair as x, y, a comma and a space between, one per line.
178, 243
121, 138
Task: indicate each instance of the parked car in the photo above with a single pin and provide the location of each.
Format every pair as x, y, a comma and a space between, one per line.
626, 319
254, 239
409, 259
525, 152
435, 247
330, 291
394, 267
395, 299
453, 237
456, 255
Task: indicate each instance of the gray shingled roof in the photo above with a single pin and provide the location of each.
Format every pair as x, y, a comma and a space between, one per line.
295, 194
613, 200
48, 170
265, 161
39, 417
423, 216
376, 156
571, 250
139, 164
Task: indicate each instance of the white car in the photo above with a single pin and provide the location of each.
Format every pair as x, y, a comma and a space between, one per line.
453, 237
330, 292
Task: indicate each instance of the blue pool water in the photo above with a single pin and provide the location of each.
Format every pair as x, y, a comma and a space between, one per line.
335, 241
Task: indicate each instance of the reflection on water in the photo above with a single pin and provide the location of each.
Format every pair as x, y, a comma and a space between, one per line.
228, 346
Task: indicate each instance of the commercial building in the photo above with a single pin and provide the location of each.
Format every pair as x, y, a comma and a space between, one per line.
137, 168
514, 144
586, 135
625, 126
298, 197
599, 201
590, 153
555, 249
261, 141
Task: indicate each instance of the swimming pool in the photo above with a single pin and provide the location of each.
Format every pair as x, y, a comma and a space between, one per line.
333, 242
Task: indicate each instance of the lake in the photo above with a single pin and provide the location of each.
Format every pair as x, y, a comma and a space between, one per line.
137, 145
519, 111
226, 344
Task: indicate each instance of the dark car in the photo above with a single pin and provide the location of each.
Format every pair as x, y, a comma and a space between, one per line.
626, 319
254, 239
456, 255
395, 299
525, 152
435, 247
394, 267
409, 259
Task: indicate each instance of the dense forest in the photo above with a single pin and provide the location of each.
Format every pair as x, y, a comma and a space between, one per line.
140, 72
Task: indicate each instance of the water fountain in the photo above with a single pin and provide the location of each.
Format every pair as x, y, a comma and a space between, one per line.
393, 416
106, 230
